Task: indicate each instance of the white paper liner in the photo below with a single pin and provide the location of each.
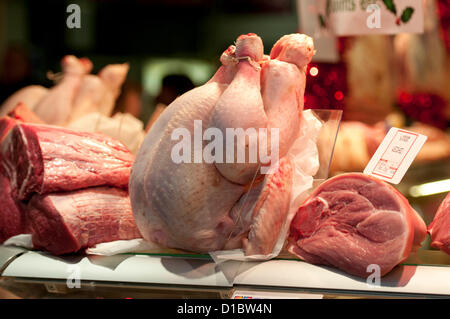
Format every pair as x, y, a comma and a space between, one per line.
122, 246
104, 249
22, 240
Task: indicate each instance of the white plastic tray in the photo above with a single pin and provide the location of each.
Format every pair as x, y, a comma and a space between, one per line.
196, 272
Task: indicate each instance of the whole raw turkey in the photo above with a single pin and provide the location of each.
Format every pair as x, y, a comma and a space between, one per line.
205, 206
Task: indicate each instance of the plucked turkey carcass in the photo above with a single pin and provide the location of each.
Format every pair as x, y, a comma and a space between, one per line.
209, 206
354, 220
439, 229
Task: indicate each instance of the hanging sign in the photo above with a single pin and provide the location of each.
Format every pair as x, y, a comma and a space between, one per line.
324, 41
358, 17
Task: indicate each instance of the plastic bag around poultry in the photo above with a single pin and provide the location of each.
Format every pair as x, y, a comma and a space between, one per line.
304, 156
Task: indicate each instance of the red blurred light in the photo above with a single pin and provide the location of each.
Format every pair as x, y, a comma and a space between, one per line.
405, 98
338, 95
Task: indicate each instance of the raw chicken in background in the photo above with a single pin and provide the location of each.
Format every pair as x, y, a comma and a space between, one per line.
82, 101
198, 206
55, 107
361, 139
113, 76
29, 96
98, 93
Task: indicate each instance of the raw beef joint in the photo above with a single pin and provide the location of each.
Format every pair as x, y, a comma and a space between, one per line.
12, 216
212, 205
439, 228
19, 114
352, 221
44, 159
67, 222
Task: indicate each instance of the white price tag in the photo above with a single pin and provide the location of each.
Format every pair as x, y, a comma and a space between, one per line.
241, 294
394, 155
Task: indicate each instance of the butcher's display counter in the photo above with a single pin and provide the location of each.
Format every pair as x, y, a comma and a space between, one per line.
33, 274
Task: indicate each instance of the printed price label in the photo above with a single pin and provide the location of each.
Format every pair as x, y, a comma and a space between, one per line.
240, 294
395, 154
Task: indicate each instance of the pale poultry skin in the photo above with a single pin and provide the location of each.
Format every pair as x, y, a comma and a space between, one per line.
98, 93
29, 95
206, 207
76, 94
55, 107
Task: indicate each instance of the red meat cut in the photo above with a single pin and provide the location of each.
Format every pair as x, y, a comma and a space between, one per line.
439, 228
354, 220
44, 159
63, 223
12, 215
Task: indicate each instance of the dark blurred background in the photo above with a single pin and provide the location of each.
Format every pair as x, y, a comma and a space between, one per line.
34, 35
